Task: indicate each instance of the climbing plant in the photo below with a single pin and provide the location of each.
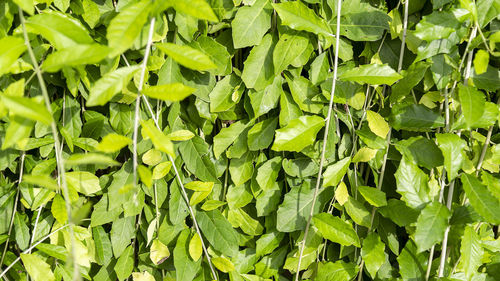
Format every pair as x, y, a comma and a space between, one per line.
249, 140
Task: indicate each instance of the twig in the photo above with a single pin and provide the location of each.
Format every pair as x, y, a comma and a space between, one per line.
57, 147
325, 139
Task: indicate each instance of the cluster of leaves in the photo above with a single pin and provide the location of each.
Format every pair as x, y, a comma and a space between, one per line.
186, 139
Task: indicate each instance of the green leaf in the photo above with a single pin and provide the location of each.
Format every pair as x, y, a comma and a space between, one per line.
362, 22
268, 173
290, 46
364, 154
251, 23
298, 16
27, 5
194, 152
217, 52
227, 136
42, 180
122, 232
485, 204
226, 93
412, 76
375, 74
358, 212
158, 252
415, 118
10, 49
298, 134
169, 92
472, 104
59, 29
103, 246
258, 71
22, 232
158, 138
145, 175
187, 56
241, 169
399, 212
373, 253
296, 207
185, 268
336, 230
437, 25
489, 81
374, 196
126, 26
196, 8
29, 108
452, 147
110, 84
336, 271
125, 264
412, 265
431, 225
260, 136
37, 268
74, 56
412, 184
113, 142
218, 231
471, 252
422, 151
377, 124
334, 173
83, 182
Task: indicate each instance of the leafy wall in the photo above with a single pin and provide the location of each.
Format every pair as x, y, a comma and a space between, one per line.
249, 140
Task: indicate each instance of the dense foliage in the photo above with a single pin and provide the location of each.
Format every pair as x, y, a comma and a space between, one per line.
249, 140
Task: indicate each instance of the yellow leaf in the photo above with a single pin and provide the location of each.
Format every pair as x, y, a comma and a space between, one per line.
223, 264
195, 249
377, 124
159, 252
113, 142
365, 154
161, 170
341, 193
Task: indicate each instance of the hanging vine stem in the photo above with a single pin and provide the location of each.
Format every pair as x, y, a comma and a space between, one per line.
325, 139
57, 146
14, 210
388, 143
444, 254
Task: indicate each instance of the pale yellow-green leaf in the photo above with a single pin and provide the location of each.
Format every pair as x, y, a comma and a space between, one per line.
42, 180
10, 49
481, 61
144, 276
341, 193
151, 157
110, 84
377, 124
181, 135
113, 142
37, 268
365, 154
161, 170
187, 56
196, 8
160, 141
199, 186
30, 108
145, 175
223, 264
169, 92
74, 56
83, 182
198, 196
159, 252
195, 248
58, 209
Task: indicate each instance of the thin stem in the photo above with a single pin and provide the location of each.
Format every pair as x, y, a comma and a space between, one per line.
139, 94
14, 211
325, 139
57, 147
